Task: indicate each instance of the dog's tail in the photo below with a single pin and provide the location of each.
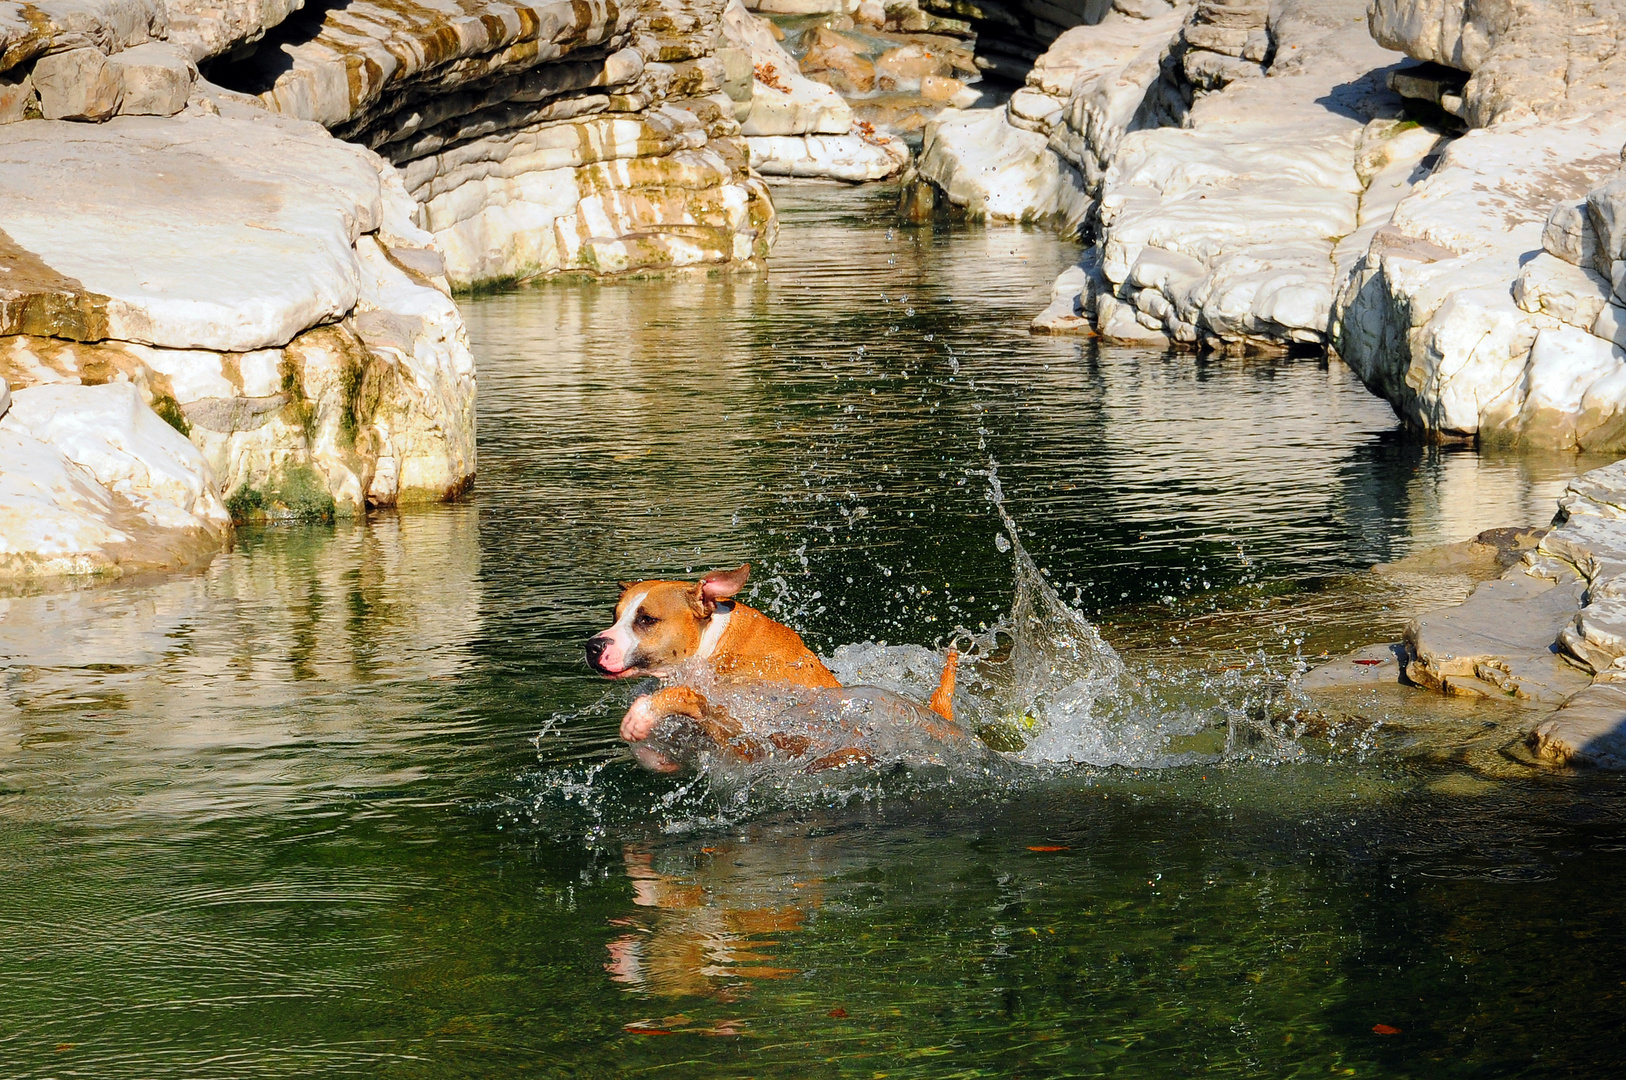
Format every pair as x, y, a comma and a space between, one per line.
942, 702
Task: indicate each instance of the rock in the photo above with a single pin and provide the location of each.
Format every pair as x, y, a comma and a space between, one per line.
853, 158
835, 61
1428, 317
182, 230
988, 162
1500, 641
941, 88
28, 30
870, 13
1549, 285
260, 284
995, 170
96, 483
1590, 729
903, 68
157, 79
793, 105
200, 29
1253, 195
15, 98
1528, 60
1374, 665
79, 84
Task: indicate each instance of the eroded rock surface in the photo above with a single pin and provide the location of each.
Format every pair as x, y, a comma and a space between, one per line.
538, 137
1485, 309
260, 287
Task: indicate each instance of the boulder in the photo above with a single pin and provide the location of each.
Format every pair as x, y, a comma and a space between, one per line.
79, 84
15, 97
1435, 315
783, 102
200, 29
156, 77
96, 483
997, 171
261, 285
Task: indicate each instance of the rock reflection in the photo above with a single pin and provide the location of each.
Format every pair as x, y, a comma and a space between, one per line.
211, 690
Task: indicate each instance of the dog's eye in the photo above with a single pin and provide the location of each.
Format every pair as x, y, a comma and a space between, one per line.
643, 621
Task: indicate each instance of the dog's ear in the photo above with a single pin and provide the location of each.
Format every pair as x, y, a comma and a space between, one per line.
625, 585
717, 585
721, 584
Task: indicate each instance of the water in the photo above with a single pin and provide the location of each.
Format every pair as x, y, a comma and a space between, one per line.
350, 803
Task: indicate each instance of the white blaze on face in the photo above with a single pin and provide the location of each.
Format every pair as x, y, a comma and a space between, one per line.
622, 640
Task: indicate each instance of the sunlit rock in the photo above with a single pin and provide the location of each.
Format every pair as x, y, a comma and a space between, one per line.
260, 284
1040, 155
854, 158
95, 482
1456, 316
538, 137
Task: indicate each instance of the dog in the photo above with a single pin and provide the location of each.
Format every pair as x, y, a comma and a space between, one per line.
661, 625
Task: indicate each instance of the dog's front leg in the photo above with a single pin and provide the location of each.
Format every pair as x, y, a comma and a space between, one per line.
721, 728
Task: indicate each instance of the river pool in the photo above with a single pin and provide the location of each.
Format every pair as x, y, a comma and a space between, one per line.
349, 803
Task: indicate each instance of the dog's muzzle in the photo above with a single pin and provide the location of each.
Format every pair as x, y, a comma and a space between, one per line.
595, 655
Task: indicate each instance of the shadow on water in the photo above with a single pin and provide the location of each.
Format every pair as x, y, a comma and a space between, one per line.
349, 802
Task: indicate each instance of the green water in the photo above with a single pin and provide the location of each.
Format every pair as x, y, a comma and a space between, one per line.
349, 803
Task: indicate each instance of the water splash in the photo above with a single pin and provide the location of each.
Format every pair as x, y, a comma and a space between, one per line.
1041, 690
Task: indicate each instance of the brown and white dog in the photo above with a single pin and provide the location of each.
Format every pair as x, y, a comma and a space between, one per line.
660, 625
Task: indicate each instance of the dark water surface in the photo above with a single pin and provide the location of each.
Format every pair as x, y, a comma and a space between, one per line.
349, 804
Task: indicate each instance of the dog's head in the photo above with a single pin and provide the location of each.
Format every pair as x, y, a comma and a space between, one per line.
659, 624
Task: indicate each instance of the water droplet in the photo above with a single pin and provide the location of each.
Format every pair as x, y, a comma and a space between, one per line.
1001, 543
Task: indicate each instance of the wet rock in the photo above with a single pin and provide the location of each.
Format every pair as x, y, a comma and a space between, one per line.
1374, 665
95, 482
836, 61
1590, 729
79, 84
1501, 642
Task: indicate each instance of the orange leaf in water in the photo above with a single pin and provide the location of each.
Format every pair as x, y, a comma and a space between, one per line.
1385, 1029
838, 1013
60, 1047
708, 851
633, 1029
1048, 847
1368, 663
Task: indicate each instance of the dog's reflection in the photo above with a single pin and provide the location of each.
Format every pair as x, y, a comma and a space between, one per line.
708, 920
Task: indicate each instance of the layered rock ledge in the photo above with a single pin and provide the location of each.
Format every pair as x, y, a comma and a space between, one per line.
1549, 633
223, 296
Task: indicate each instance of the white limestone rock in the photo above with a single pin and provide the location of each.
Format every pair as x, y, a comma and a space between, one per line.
201, 29
1549, 285
1253, 195
796, 105
183, 228
853, 158
989, 161
94, 482
28, 30
1529, 60
1429, 319
998, 171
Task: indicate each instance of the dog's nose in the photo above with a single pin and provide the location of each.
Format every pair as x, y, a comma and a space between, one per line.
595, 650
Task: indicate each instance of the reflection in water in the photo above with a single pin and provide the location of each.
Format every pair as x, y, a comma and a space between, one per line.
309, 811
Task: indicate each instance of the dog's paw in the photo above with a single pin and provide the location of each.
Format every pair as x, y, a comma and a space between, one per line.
640, 721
